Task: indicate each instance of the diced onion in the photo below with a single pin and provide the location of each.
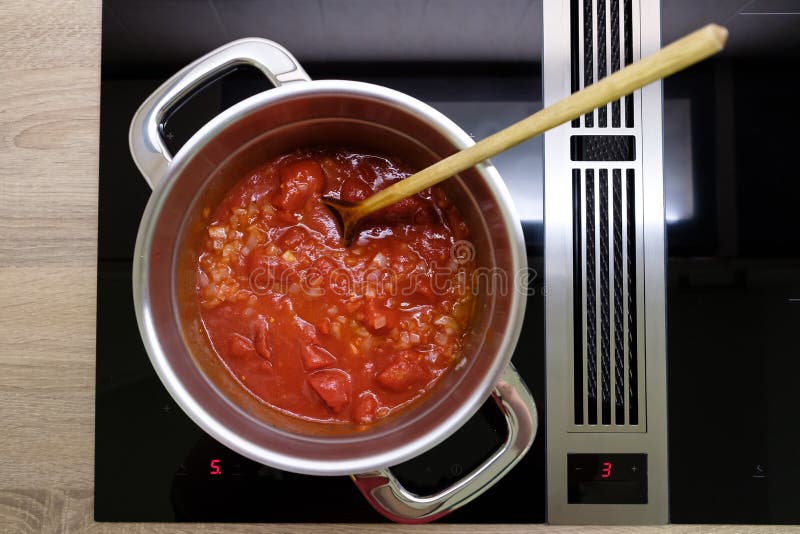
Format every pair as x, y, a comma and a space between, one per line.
361, 332
217, 232
220, 272
450, 325
252, 239
441, 339
252, 210
231, 248
367, 343
336, 330
379, 260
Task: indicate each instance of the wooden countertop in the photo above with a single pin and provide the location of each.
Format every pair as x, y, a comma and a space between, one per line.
49, 125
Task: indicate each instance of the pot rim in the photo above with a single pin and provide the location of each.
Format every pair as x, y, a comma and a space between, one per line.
173, 382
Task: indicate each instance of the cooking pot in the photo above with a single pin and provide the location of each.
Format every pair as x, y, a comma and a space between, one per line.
300, 112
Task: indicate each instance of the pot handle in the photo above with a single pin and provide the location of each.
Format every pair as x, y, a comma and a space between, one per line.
385, 493
147, 148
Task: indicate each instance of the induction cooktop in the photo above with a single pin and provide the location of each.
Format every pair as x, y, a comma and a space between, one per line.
732, 283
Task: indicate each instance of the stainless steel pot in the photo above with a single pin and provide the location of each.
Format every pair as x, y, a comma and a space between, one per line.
301, 112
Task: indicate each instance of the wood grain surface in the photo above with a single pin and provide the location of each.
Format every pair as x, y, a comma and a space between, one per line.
49, 121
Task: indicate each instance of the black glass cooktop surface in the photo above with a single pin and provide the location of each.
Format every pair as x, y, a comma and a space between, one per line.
733, 286
733, 292
152, 462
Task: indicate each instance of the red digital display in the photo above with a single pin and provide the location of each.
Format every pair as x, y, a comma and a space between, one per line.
606, 478
607, 466
215, 469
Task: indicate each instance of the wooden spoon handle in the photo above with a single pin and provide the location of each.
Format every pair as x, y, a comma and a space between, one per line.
677, 56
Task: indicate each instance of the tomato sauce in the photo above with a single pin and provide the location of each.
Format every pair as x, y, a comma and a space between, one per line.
321, 331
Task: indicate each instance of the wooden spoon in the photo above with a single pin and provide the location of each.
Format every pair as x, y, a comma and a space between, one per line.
677, 56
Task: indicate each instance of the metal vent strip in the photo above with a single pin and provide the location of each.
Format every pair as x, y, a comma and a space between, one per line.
606, 370
607, 383
604, 261
602, 36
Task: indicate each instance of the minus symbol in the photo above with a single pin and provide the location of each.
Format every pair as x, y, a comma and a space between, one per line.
794, 300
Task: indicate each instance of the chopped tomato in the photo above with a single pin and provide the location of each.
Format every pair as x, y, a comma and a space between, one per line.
269, 269
324, 326
355, 190
307, 332
299, 181
293, 238
401, 375
316, 357
261, 342
241, 346
332, 386
365, 407
413, 209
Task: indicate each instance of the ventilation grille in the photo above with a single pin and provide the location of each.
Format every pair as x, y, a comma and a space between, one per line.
608, 386
606, 370
602, 40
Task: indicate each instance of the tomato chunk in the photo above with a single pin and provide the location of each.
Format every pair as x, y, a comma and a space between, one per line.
316, 357
365, 408
268, 270
241, 346
299, 181
261, 341
332, 386
413, 209
324, 326
306, 330
401, 375
295, 238
355, 189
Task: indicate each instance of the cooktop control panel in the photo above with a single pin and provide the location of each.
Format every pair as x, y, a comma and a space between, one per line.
607, 478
